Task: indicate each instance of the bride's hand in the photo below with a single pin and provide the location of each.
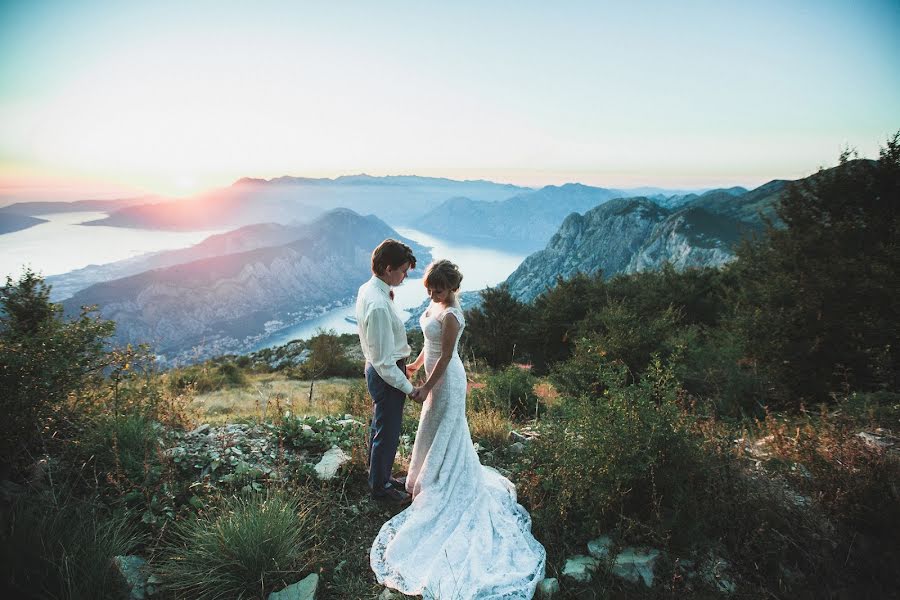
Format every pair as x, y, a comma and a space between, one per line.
411, 370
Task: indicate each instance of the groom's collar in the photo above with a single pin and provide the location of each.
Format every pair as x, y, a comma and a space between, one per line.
381, 285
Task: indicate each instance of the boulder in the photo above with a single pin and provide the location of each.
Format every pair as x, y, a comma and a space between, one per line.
132, 574
599, 548
580, 568
331, 461
636, 565
305, 589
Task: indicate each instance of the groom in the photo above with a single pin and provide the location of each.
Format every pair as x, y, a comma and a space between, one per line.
383, 339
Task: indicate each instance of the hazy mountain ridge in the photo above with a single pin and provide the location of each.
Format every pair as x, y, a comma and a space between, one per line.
231, 242
44, 208
10, 222
230, 303
636, 234
397, 199
527, 220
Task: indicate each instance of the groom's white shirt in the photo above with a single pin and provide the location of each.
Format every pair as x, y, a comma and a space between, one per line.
382, 334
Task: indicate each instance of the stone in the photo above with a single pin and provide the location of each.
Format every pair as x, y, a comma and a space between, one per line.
636, 565
876, 442
331, 461
200, 430
580, 567
515, 436
132, 573
305, 589
547, 588
517, 448
389, 594
599, 548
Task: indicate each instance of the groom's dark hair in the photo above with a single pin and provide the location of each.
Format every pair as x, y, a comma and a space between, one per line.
391, 253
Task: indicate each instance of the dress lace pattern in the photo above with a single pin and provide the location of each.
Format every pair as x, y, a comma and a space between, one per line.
464, 536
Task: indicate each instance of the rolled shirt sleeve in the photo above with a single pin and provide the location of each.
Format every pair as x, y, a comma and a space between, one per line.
380, 342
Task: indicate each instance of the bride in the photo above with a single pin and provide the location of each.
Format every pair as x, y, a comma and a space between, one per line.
464, 536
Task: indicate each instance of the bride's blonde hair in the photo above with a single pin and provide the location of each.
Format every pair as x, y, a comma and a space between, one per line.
443, 275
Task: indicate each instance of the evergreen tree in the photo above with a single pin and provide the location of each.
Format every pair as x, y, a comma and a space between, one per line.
495, 329
818, 298
43, 358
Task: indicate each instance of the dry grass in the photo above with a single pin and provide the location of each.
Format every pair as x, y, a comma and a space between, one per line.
266, 396
489, 427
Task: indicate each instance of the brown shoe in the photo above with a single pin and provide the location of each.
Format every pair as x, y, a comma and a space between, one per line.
398, 483
392, 496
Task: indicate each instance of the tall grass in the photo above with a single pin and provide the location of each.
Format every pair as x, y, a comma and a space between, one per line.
250, 546
60, 547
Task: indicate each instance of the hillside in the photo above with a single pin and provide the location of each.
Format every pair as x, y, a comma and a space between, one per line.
229, 303
524, 222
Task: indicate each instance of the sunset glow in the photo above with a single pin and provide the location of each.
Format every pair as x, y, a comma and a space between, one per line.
172, 100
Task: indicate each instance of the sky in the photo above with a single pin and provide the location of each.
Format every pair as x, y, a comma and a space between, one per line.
99, 99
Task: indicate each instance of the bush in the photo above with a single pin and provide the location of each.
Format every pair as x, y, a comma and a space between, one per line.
496, 327
817, 298
356, 400
206, 377
510, 391
252, 545
61, 547
617, 454
125, 446
43, 359
489, 427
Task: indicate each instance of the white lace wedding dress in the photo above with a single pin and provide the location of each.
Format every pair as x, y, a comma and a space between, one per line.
464, 536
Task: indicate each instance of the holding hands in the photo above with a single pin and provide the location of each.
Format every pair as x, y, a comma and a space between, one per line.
419, 393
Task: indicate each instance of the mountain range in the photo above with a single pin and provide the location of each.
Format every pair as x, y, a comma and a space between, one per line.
524, 222
628, 235
232, 302
397, 199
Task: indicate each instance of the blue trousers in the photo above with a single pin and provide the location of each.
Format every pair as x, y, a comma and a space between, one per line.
384, 436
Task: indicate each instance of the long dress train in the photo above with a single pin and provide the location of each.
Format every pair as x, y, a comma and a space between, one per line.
464, 536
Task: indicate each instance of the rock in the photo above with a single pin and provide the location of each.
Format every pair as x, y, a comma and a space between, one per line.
635, 565
305, 589
547, 588
131, 571
330, 463
517, 448
876, 442
515, 436
599, 548
389, 594
580, 567
200, 430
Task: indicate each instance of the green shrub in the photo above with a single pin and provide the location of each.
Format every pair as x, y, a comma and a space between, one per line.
250, 546
510, 391
206, 377
625, 333
318, 434
44, 357
127, 447
356, 400
716, 369
57, 546
616, 454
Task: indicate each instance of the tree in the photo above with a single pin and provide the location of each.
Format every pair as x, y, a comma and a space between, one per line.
43, 358
495, 330
817, 299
